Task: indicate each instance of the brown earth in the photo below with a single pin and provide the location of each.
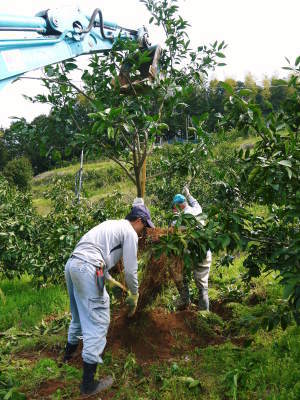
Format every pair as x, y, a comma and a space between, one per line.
157, 335
47, 389
158, 271
152, 336
220, 307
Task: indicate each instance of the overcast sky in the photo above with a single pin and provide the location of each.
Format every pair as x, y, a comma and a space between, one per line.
259, 34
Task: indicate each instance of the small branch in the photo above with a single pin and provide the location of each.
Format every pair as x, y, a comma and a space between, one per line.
151, 149
138, 145
75, 121
127, 142
128, 80
161, 108
266, 240
124, 169
135, 160
60, 83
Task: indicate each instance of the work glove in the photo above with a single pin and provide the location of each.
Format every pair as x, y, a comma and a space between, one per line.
186, 191
132, 301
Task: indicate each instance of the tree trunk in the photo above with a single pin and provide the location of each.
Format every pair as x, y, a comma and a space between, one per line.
138, 182
143, 178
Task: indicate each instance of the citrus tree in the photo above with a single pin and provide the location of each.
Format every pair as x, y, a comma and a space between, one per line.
271, 177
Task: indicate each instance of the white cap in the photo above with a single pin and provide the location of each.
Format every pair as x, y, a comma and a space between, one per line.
138, 201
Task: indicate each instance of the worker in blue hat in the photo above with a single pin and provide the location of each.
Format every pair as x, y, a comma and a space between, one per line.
189, 205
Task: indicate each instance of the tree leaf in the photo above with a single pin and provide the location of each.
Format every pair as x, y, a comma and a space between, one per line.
70, 66
110, 132
245, 92
227, 87
290, 173
286, 163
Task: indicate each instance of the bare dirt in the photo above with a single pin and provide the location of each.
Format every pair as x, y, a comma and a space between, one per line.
48, 388
152, 336
220, 308
158, 271
156, 335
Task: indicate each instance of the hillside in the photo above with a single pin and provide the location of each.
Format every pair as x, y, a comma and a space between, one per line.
103, 177
99, 178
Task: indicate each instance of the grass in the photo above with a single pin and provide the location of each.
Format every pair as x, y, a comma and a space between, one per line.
72, 169
265, 367
99, 179
127, 189
23, 305
42, 205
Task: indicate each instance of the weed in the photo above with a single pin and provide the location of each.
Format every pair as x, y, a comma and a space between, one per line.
207, 324
45, 369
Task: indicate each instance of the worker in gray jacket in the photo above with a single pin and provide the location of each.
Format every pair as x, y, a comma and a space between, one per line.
189, 205
95, 254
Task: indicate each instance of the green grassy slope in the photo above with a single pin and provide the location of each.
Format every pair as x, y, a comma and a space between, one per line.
99, 179
103, 177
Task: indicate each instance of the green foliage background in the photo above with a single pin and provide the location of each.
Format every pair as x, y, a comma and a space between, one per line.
19, 172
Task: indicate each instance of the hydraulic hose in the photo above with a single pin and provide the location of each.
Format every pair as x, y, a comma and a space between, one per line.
96, 12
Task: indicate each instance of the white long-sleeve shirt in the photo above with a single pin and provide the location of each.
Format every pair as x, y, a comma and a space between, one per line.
108, 242
192, 207
195, 209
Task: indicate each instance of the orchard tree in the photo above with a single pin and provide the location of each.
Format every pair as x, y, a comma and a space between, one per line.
267, 175
126, 122
270, 176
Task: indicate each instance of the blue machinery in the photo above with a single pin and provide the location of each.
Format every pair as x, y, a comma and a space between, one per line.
63, 34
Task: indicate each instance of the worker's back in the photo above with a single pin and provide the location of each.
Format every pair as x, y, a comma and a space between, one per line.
106, 242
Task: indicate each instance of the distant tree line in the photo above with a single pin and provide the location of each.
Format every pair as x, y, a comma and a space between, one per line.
50, 141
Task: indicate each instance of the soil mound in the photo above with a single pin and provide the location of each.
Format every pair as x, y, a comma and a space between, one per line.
157, 334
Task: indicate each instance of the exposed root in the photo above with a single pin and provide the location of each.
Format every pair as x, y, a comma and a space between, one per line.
158, 272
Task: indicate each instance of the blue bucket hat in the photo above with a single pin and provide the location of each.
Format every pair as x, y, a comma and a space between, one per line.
178, 199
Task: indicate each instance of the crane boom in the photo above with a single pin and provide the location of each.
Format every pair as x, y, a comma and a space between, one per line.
62, 34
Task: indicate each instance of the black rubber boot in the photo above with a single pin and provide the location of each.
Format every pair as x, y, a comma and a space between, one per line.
69, 351
89, 386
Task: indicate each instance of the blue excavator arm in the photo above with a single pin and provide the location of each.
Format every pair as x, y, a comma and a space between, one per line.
61, 34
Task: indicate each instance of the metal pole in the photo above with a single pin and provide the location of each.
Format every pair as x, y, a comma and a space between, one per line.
79, 175
186, 128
